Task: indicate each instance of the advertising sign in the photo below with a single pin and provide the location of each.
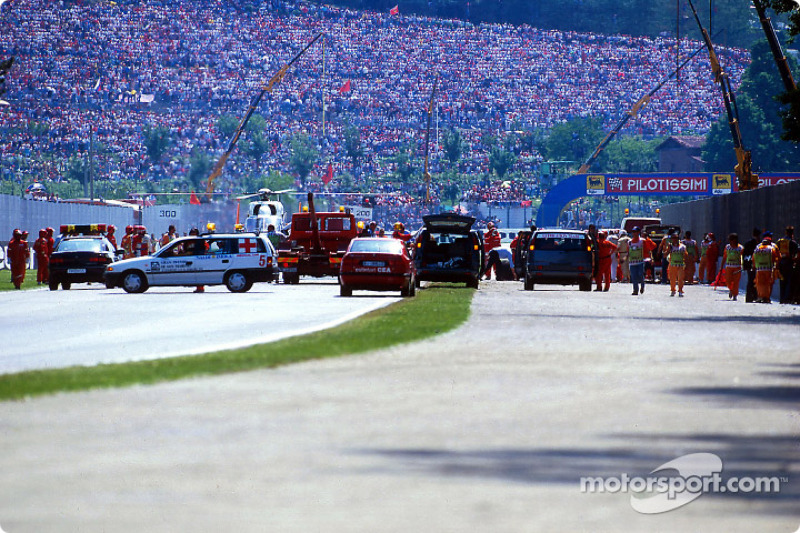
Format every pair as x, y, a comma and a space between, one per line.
361, 213
595, 184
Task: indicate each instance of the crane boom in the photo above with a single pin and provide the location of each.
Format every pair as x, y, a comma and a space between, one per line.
747, 180
775, 46
277, 78
643, 101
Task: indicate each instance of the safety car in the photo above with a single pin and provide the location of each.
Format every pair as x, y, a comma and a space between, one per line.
80, 255
236, 260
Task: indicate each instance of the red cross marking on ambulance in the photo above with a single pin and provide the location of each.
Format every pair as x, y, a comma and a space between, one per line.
247, 246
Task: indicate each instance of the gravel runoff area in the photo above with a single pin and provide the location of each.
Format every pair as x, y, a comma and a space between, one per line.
487, 428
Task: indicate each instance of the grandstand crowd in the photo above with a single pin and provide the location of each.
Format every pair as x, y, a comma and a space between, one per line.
117, 67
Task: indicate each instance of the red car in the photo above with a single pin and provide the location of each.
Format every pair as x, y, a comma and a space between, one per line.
377, 264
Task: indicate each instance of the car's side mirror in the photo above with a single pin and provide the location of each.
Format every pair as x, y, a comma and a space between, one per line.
119, 252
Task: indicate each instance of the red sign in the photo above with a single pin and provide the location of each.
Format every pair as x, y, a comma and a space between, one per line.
775, 179
656, 185
247, 246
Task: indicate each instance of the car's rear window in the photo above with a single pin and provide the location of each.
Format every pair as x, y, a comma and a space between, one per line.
562, 242
80, 245
383, 246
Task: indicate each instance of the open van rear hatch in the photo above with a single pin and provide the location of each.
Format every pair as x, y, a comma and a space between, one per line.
448, 223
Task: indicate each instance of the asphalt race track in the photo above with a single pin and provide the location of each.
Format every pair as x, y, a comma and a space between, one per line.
90, 324
488, 428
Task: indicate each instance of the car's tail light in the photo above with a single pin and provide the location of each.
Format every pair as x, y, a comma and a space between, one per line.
56, 260
531, 247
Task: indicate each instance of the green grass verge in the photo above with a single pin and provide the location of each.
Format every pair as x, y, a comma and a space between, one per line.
6, 285
435, 310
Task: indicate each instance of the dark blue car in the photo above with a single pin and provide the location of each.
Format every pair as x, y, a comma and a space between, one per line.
561, 257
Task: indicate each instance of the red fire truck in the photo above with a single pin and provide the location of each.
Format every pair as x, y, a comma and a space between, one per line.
318, 243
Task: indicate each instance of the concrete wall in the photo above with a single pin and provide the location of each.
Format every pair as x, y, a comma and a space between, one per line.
769, 208
33, 215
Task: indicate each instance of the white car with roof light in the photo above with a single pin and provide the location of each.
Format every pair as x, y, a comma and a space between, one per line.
236, 260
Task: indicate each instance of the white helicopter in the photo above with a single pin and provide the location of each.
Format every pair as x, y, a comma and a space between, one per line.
265, 211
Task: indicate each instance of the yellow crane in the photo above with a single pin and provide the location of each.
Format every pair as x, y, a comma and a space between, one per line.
744, 173
277, 78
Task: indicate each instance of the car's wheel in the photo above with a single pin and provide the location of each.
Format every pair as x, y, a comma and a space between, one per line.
65, 285
291, 279
53, 283
417, 283
528, 283
585, 285
344, 290
473, 282
409, 289
238, 282
134, 282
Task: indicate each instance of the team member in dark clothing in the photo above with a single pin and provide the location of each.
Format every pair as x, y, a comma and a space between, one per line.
747, 253
787, 247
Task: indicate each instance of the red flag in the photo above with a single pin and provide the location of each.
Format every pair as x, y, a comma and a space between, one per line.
345, 88
193, 199
395, 10
326, 179
525, 203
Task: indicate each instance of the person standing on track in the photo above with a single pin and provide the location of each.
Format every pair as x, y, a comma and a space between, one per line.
110, 235
692, 256
732, 259
787, 247
636, 261
677, 262
709, 254
41, 248
400, 232
605, 249
18, 254
491, 240
750, 294
127, 242
169, 236
623, 268
765, 262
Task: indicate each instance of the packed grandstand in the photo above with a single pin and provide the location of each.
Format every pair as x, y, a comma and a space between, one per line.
120, 66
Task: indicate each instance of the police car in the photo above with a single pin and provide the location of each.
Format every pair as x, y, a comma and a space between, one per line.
236, 260
81, 255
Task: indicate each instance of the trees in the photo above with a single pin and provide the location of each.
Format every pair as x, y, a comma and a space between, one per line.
501, 156
631, 154
453, 144
405, 167
303, 155
352, 146
156, 141
760, 121
199, 168
574, 140
257, 142
227, 124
